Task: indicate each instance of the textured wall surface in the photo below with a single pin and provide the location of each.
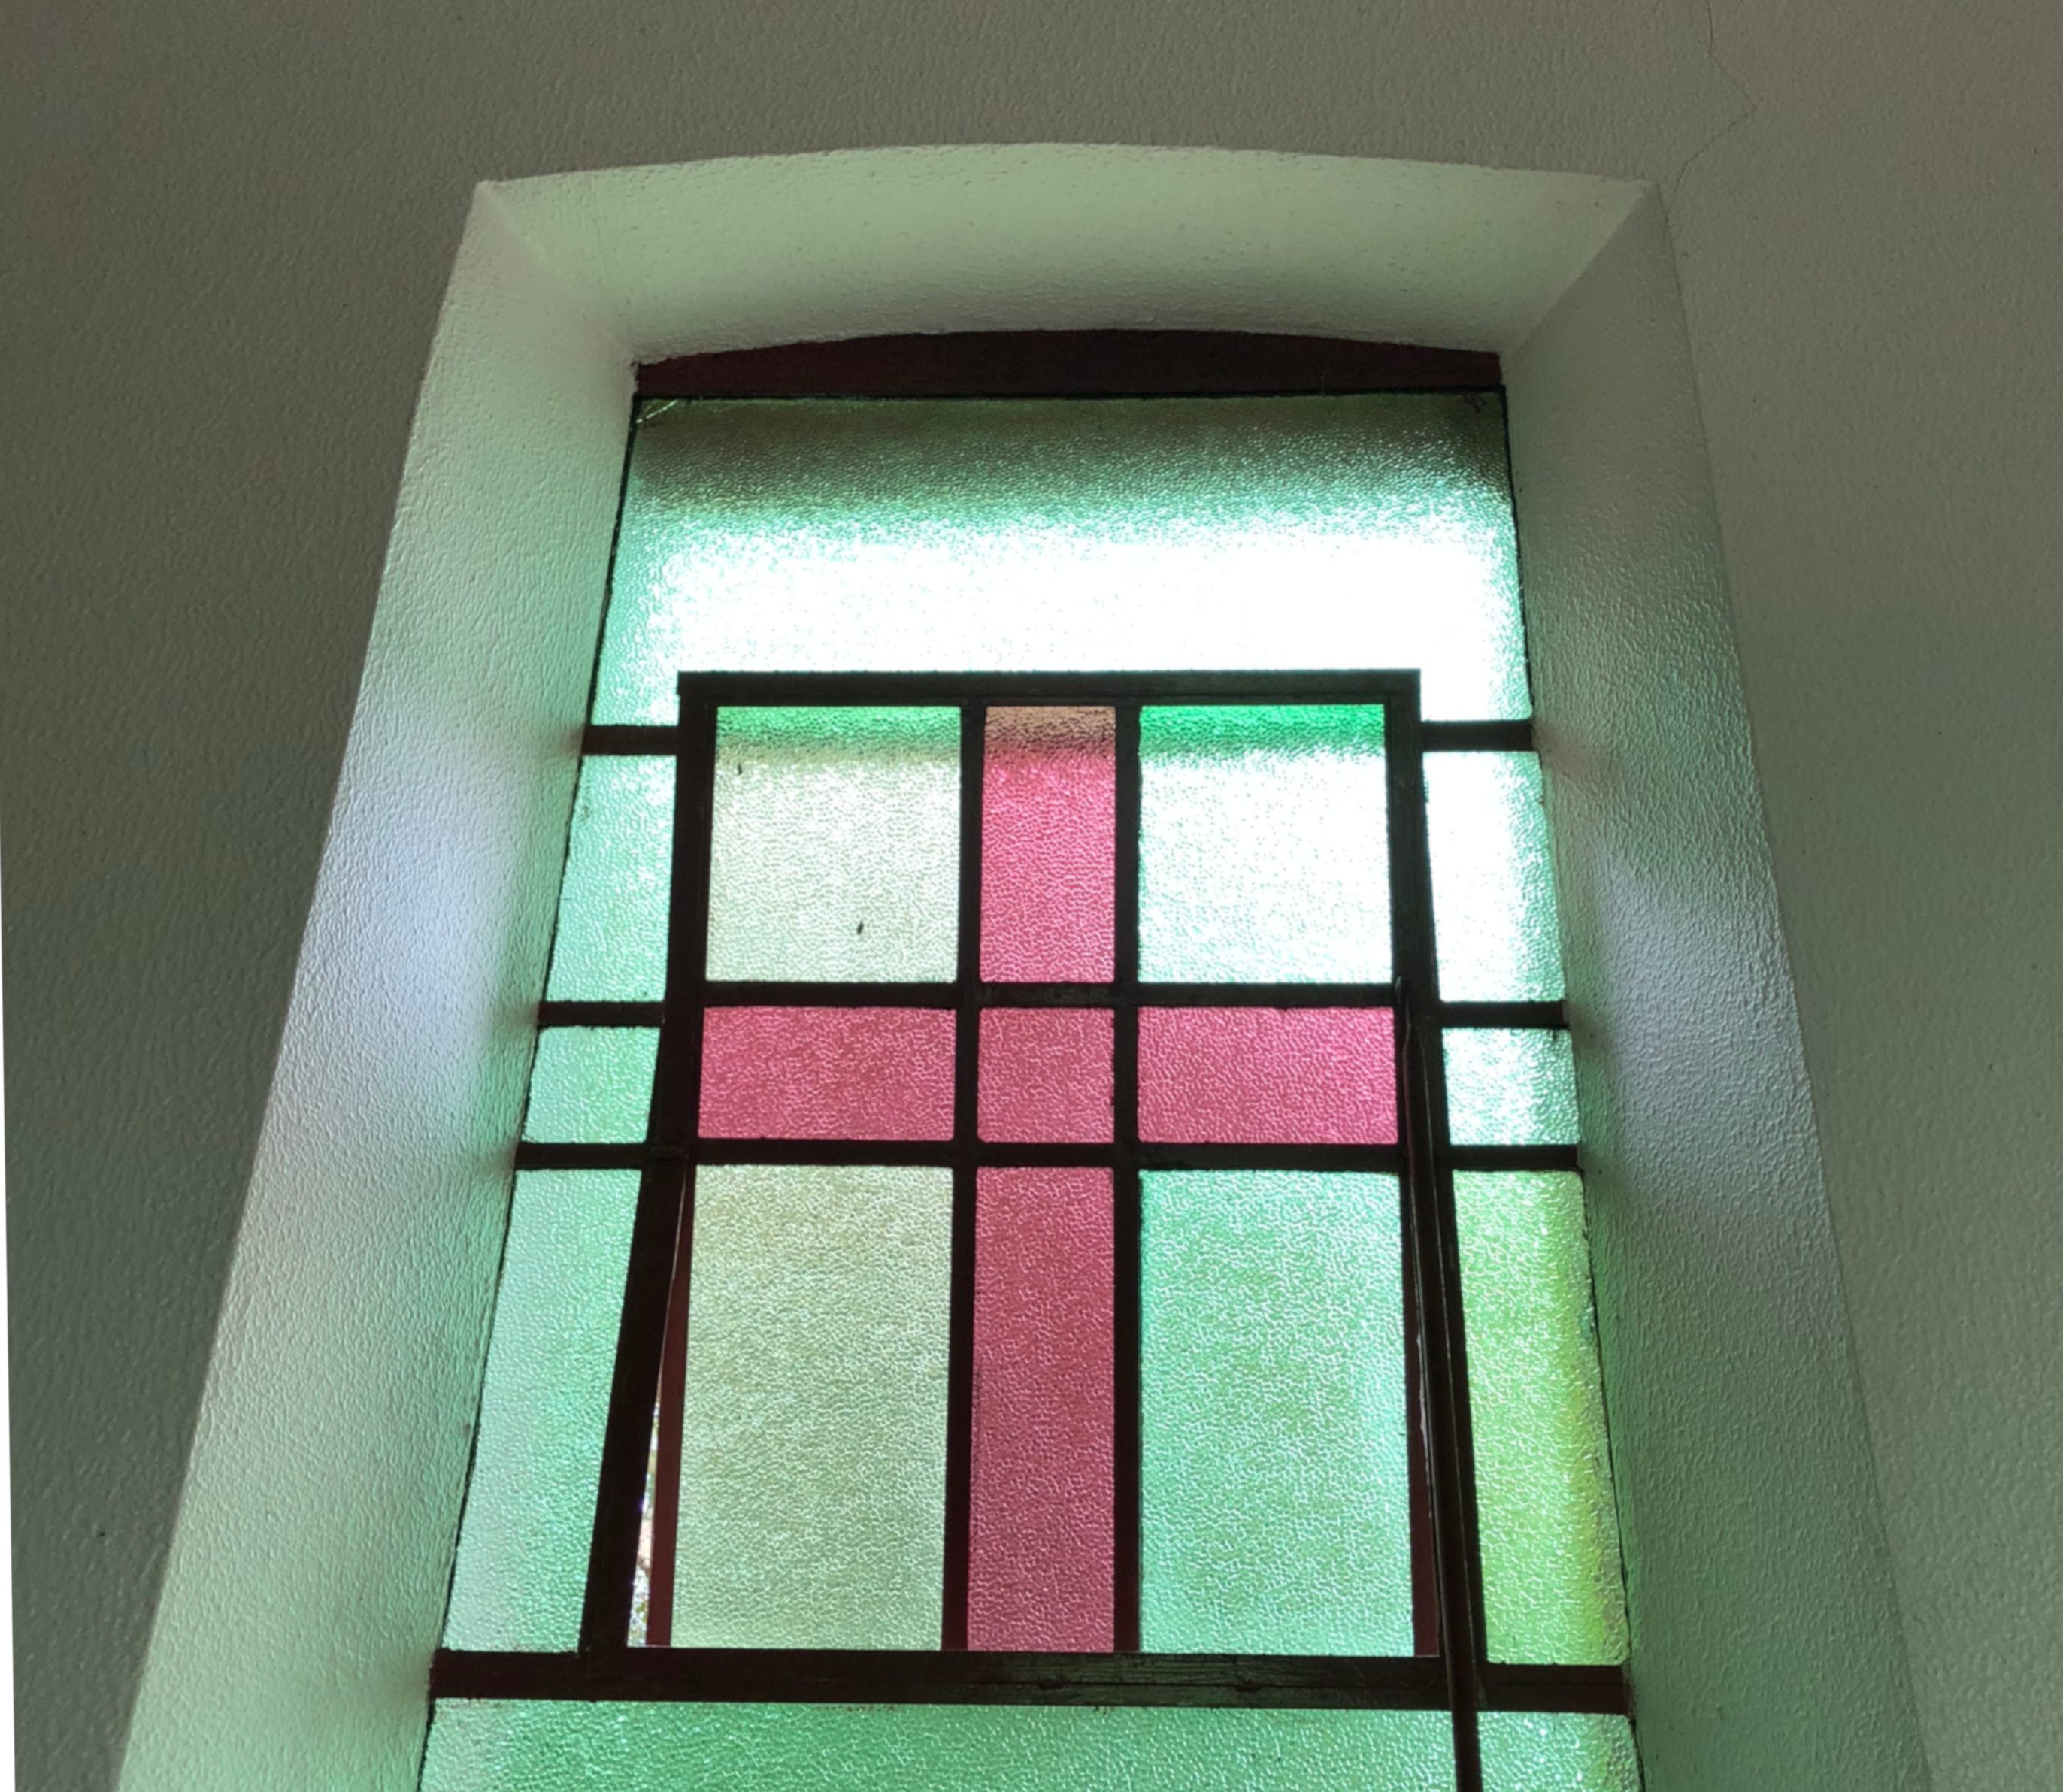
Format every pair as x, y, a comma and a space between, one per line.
227, 232
1714, 1252
318, 1505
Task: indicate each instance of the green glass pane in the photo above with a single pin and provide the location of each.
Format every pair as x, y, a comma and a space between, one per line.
1263, 845
530, 1507
523, 1747
1492, 881
1510, 1086
591, 1084
1273, 1499
611, 945
957, 535
813, 1461
1553, 1590
835, 855
1557, 1751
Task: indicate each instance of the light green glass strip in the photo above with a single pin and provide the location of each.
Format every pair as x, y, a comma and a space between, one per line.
611, 944
835, 851
1273, 1503
524, 1747
1263, 845
813, 1459
1510, 1086
530, 1507
1372, 530
1493, 881
1553, 1590
1557, 1751
591, 1085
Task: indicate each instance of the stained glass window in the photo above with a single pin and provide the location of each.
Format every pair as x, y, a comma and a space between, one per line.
1051, 1175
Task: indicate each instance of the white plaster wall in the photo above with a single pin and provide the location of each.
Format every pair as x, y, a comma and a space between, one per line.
227, 230
1727, 1354
305, 1579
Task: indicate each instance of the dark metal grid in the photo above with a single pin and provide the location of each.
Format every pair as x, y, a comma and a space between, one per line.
652, 1334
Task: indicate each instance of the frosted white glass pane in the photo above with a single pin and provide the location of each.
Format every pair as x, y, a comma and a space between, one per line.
1493, 878
836, 846
1263, 844
1510, 1086
1372, 530
813, 1436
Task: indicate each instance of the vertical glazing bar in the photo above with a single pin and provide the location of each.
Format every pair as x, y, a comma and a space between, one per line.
967, 1083
1424, 1558
1125, 1208
1434, 1265
664, 1516
662, 1237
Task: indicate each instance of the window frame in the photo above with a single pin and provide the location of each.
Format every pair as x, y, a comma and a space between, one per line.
1446, 1557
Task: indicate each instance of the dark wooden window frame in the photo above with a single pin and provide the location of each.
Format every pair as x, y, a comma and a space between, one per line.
1450, 1670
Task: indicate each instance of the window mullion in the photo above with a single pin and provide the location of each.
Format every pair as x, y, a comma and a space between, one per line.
662, 1234
1434, 1272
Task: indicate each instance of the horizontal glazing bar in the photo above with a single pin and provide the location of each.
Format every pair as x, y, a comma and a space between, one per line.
982, 1677
790, 688
537, 1155
1046, 996
534, 1155
1049, 995
1502, 1014
656, 739
1476, 736
1511, 1157
601, 1014
627, 741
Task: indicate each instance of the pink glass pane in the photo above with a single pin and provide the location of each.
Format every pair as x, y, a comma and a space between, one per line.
827, 1073
1040, 1548
1048, 835
1267, 1076
1045, 1074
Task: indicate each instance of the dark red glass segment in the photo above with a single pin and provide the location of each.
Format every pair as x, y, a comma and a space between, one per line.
827, 1073
1041, 1545
1049, 831
1045, 1074
1267, 1076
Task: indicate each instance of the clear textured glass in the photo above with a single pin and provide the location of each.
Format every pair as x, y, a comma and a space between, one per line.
1274, 1497
1493, 879
1048, 845
813, 1432
954, 535
591, 1084
827, 1073
1263, 844
1273, 1076
478, 1746
1041, 1548
530, 1507
1510, 1086
836, 846
1045, 1074
1553, 1590
611, 943
1557, 1751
